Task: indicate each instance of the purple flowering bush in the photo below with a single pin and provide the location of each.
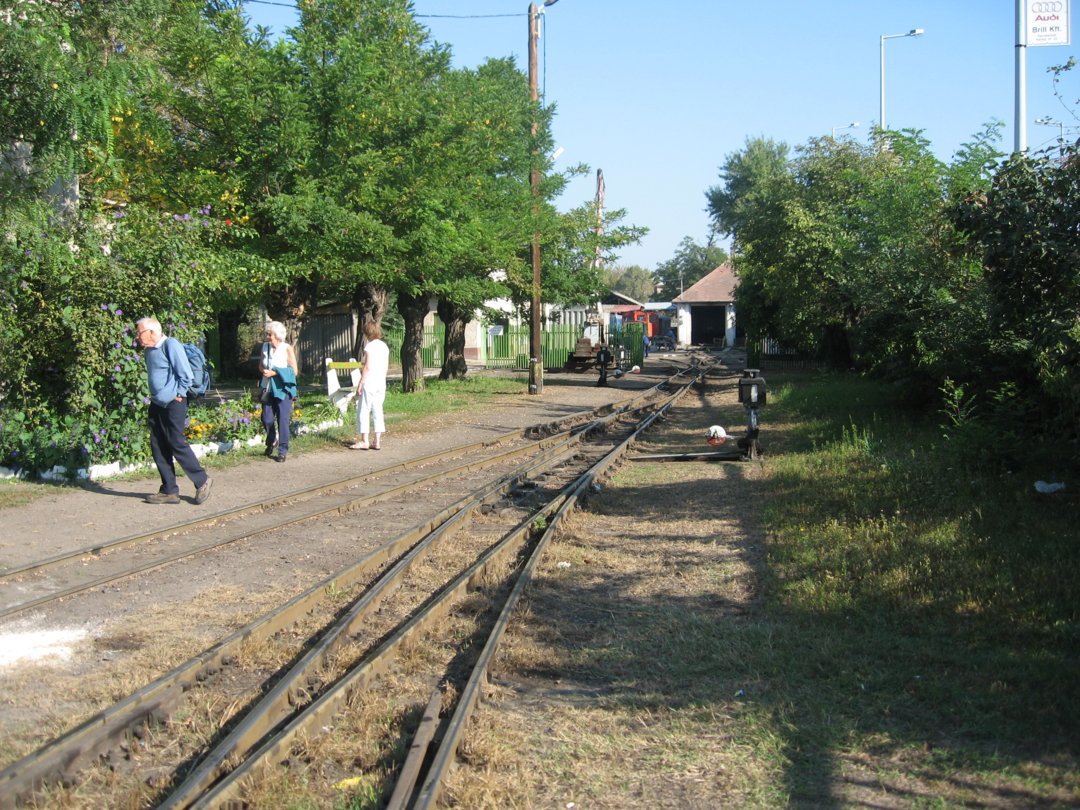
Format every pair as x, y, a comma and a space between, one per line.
73, 391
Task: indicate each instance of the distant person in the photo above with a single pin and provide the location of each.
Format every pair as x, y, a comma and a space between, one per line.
279, 372
372, 388
646, 342
168, 377
603, 360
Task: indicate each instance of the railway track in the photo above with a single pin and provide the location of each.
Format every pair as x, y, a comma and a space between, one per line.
412, 623
75, 571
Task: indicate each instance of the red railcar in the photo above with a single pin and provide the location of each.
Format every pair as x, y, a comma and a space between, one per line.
656, 324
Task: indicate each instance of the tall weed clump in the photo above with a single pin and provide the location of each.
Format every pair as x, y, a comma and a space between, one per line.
920, 553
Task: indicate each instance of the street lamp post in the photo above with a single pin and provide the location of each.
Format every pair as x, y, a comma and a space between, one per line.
914, 32
852, 125
1047, 121
536, 358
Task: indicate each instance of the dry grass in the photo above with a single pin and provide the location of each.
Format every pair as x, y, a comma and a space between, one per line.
598, 699
650, 670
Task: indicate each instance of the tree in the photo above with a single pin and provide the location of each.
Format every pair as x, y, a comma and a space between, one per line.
482, 187
691, 263
78, 74
68, 69
844, 250
229, 133
632, 280
1023, 229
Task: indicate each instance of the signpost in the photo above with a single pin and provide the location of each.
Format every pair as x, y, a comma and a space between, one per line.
1039, 23
1047, 22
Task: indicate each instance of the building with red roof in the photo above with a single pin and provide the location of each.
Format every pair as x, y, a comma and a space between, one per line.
706, 310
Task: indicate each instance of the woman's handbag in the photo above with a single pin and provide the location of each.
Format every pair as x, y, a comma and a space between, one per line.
266, 397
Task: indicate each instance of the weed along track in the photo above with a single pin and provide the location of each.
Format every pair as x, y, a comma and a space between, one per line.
384, 645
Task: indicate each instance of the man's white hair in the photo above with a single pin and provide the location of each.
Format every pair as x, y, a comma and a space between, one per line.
152, 324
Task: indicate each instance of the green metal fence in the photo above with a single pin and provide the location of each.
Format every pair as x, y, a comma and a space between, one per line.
628, 336
431, 350
510, 349
766, 353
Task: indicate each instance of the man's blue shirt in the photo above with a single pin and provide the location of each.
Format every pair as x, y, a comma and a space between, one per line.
168, 372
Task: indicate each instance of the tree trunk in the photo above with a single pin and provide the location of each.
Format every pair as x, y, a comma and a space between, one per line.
454, 318
292, 305
413, 309
231, 355
369, 302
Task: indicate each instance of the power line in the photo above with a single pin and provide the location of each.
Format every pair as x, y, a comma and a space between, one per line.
417, 16
465, 16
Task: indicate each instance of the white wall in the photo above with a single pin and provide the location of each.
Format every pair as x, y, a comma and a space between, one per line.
682, 331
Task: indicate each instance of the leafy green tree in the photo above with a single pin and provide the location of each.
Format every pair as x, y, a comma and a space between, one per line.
632, 280
68, 69
575, 253
481, 185
372, 80
754, 183
921, 301
1023, 229
79, 74
242, 137
844, 250
691, 263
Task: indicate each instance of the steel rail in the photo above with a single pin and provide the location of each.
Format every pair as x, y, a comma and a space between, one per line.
530, 432
261, 506
319, 712
306, 494
444, 758
62, 758
285, 697
350, 504
59, 759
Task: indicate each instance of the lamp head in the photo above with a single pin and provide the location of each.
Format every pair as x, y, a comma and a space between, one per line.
916, 32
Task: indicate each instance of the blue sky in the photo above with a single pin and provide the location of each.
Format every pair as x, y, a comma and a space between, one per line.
657, 95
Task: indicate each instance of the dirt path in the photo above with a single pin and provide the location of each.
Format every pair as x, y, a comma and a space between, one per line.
69, 518
656, 533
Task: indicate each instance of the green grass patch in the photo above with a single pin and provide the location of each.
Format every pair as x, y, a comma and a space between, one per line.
447, 396
922, 599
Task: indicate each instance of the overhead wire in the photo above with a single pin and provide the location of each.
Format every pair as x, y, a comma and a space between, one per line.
543, 22
418, 16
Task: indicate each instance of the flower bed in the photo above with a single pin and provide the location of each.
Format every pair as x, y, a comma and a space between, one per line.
217, 426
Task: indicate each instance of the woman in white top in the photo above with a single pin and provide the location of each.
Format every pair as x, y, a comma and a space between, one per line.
372, 388
279, 370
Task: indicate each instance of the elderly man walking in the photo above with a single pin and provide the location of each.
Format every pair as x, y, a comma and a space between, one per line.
168, 375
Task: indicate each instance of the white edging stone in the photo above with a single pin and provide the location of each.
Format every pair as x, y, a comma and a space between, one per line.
98, 472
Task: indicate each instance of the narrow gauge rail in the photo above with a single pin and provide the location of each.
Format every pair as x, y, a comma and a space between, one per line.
318, 681
74, 572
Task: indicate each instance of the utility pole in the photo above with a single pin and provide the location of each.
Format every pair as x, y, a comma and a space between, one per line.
536, 354
598, 261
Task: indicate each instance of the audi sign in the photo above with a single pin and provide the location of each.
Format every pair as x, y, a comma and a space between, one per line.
1047, 22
